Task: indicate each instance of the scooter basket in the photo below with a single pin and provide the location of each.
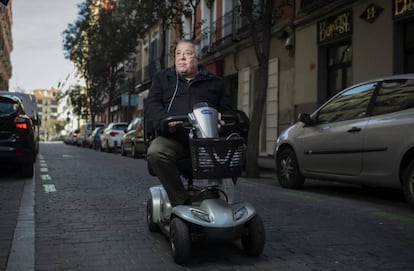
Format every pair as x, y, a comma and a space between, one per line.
215, 158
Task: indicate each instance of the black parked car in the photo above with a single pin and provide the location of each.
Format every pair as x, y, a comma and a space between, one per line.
30, 108
17, 138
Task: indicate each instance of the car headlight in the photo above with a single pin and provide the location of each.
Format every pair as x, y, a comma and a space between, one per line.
239, 213
201, 215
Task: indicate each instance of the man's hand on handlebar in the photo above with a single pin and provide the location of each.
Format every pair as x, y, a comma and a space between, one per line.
172, 125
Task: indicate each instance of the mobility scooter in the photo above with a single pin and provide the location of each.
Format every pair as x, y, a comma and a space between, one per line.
210, 213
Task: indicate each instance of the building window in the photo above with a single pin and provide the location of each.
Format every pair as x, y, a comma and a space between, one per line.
339, 68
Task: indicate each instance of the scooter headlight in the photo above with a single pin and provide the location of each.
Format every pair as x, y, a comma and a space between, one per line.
201, 215
239, 213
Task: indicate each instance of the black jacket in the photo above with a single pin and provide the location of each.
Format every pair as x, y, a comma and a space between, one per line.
205, 87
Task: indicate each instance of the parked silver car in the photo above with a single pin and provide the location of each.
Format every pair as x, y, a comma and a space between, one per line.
363, 135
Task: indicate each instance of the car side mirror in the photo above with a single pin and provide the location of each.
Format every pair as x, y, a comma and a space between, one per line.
306, 118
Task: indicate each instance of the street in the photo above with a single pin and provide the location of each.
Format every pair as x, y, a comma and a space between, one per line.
90, 214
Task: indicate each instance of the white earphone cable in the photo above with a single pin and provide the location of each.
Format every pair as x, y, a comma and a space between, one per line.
175, 92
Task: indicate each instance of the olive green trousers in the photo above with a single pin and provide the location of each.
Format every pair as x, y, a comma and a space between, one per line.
162, 155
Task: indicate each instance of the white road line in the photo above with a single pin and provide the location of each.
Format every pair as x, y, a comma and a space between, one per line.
49, 188
45, 177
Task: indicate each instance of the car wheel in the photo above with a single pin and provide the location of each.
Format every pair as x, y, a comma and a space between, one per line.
253, 239
27, 170
153, 227
287, 169
123, 152
180, 240
408, 183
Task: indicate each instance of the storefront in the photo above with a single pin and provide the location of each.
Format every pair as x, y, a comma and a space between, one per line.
342, 43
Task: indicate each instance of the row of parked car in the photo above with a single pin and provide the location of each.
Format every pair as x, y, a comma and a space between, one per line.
127, 138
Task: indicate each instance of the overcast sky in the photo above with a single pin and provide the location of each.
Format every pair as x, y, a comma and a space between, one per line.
37, 56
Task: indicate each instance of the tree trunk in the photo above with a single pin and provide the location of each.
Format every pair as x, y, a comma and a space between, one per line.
261, 45
252, 166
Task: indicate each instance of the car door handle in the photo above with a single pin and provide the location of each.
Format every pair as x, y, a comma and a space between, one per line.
354, 130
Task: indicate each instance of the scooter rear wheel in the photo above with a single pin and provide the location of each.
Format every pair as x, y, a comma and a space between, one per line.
253, 239
180, 240
153, 227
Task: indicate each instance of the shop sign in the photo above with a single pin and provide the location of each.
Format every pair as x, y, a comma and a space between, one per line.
402, 8
371, 13
335, 27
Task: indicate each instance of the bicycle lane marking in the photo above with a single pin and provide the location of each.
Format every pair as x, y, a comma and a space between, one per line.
48, 187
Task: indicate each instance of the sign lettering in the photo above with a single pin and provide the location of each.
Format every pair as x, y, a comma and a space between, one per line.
371, 13
403, 7
335, 27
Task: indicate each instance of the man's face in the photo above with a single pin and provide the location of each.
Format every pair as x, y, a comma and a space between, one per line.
186, 61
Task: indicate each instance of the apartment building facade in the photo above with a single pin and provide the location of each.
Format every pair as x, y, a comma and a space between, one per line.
228, 52
47, 106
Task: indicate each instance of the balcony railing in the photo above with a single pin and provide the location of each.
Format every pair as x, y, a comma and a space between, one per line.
226, 29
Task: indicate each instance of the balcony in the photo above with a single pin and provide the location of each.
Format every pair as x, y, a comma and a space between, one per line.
224, 31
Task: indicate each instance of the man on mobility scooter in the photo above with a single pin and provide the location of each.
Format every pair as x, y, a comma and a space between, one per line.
175, 92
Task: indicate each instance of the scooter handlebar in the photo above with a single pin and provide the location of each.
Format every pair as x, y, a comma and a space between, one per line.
229, 119
183, 119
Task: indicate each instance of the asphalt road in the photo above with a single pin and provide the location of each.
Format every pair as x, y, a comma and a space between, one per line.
88, 213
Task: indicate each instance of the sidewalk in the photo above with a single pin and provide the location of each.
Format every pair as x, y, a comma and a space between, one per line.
267, 163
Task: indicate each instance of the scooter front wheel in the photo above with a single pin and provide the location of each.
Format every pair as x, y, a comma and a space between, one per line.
153, 227
180, 240
253, 239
